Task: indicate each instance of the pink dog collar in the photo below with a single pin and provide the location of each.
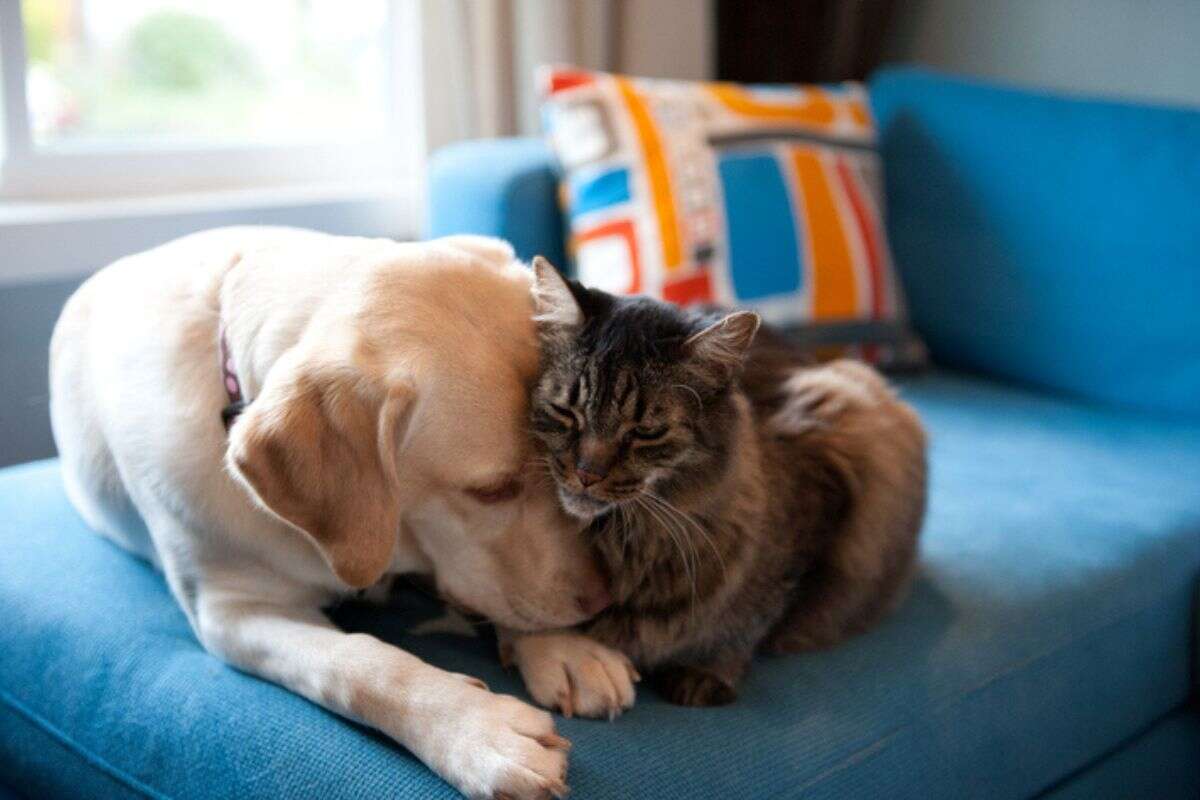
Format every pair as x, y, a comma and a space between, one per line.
233, 387
229, 379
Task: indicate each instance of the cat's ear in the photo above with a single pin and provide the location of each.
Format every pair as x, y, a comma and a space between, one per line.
554, 304
720, 349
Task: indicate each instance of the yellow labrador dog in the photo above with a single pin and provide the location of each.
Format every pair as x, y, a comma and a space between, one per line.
384, 389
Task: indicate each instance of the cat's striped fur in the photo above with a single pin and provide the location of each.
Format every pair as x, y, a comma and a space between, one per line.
739, 497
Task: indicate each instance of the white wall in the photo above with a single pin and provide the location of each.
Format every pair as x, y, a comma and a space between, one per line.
1147, 49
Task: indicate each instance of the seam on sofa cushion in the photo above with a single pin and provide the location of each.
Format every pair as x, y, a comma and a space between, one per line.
1196, 647
87, 755
1129, 740
864, 752
884, 740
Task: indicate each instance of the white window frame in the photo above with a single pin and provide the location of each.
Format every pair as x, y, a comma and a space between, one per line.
135, 198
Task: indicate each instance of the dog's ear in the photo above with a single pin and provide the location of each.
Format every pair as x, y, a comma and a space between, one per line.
319, 451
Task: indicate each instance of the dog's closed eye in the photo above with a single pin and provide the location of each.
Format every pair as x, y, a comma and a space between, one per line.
499, 493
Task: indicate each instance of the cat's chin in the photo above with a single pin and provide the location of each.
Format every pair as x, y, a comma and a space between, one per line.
581, 506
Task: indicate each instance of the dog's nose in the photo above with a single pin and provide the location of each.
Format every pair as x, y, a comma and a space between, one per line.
592, 603
589, 473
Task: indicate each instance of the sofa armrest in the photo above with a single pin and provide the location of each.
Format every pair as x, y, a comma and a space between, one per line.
498, 187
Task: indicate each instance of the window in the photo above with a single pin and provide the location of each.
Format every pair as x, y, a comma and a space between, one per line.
103, 73
106, 98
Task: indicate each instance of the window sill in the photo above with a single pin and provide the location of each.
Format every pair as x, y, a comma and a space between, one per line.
39, 212
53, 239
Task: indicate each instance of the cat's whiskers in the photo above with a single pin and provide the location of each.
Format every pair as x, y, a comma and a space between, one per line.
695, 394
695, 555
670, 527
545, 475
688, 555
695, 524
625, 522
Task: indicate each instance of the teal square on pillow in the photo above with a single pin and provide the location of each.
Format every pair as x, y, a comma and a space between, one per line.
759, 226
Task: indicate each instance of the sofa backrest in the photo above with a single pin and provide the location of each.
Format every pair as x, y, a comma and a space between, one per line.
1045, 239
498, 187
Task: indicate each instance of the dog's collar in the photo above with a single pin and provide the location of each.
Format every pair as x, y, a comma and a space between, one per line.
233, 387
229, 377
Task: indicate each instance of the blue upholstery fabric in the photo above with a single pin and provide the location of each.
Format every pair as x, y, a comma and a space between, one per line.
1051, 622
500, 187
1160, 763
1048, 240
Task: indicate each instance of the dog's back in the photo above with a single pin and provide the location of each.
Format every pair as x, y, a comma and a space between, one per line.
132, 360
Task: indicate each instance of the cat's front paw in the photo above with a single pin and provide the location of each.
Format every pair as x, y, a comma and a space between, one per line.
575, 674
693, 686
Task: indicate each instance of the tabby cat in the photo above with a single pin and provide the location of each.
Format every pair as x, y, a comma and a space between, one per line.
740, 498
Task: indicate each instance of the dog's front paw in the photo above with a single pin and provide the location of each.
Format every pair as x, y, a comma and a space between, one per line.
490, 746
575, 674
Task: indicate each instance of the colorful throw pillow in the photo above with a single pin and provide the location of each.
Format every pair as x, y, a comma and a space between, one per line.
766, 197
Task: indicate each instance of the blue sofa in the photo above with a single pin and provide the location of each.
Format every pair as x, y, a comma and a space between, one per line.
1050, 254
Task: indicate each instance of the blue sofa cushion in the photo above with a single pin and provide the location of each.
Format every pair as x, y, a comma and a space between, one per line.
1160, 762
1045, 239
1051, 621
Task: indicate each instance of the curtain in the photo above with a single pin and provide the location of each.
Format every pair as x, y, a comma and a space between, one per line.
800, 41
480, 57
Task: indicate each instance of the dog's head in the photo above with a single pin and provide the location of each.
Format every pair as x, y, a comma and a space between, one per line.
399, 420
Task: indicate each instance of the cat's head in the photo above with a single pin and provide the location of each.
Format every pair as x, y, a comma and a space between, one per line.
634, 395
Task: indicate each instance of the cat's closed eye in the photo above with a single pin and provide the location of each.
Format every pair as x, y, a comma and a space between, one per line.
562, 411
649, 433
552, 416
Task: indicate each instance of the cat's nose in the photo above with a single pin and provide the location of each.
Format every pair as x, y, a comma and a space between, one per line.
589, 474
